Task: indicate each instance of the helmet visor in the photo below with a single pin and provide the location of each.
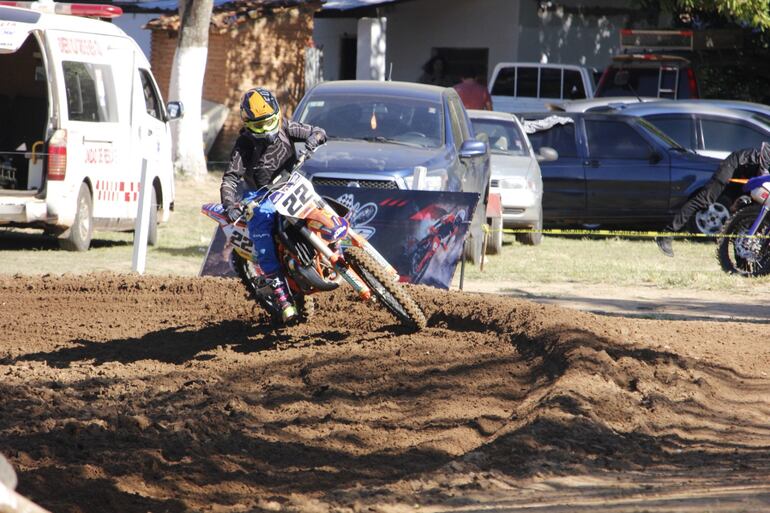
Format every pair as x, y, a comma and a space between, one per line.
263, 126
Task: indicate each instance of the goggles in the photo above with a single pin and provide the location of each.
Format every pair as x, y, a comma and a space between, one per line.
263, 126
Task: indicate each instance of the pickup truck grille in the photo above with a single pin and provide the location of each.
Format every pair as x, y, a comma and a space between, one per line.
350, 182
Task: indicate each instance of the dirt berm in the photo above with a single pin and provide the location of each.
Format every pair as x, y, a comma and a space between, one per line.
134, 394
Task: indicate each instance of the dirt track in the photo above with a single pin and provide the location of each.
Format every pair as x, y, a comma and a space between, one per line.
166, 394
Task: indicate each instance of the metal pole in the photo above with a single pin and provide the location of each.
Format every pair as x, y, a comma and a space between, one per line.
142, 224
462, 264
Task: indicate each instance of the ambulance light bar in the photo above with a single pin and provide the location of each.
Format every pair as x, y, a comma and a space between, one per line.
91, 10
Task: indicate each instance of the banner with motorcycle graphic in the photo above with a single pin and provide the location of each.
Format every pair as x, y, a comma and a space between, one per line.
420, 233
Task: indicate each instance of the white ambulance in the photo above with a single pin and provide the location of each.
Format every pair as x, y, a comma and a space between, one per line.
79, 112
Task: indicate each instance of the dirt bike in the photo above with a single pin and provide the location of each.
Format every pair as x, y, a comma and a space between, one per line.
317, 249
438, 237
745, 247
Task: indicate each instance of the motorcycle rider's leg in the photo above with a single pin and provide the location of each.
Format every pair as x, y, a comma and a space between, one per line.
261, 227
703, 199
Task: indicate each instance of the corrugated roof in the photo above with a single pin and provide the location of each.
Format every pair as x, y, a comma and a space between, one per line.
227, 13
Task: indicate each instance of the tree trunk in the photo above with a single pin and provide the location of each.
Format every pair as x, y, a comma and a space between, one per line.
186, 85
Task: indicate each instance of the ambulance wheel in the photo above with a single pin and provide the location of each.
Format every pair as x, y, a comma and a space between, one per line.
152, 227
78, 237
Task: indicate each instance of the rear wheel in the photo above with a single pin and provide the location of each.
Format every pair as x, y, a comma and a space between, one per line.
78, 237
387, 290
152, 227
741, 255
261, 293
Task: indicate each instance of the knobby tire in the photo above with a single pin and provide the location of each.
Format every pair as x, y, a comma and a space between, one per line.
387, 290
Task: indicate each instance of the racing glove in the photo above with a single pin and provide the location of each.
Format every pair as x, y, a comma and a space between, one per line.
234, 212
314, 141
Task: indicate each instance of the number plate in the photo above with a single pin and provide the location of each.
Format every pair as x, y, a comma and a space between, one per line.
293, 196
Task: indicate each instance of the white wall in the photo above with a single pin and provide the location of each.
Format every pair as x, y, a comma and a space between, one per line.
327, 33
132, 24
416, 27
567, 36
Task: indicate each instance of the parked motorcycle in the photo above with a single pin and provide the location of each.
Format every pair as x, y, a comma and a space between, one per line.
318, 250
745, 247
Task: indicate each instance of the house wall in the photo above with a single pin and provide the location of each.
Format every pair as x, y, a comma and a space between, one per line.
567, 31
571, 33
327, 35
268, 52
416, 27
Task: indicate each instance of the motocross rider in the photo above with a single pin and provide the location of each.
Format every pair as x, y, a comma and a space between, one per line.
263, 149
746, 163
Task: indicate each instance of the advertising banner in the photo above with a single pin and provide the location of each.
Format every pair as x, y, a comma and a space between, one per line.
420, 233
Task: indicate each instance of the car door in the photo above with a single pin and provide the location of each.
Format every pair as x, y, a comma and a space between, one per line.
151, 127
718, 137
564, 185
625, 176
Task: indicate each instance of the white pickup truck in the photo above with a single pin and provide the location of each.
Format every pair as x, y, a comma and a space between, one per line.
531, 86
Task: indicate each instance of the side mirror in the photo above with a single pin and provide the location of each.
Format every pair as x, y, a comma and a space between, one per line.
655, 157
175, 110
621, 78
547, 154
472, 148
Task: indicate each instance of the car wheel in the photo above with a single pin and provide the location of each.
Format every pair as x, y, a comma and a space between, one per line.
78, 237
712, 219
536, 236
495, 240
152, 227
474, 245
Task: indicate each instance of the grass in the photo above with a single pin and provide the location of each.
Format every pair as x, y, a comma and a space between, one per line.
182, 242
613, 261
184, 239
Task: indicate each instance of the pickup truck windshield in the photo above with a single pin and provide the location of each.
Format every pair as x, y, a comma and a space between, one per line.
503, 136
377, 118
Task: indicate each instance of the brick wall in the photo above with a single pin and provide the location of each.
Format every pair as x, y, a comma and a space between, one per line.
268, 51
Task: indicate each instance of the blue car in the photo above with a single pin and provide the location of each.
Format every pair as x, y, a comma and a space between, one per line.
397, 135
613, 169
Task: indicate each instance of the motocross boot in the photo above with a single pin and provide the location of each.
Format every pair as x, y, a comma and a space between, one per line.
282, 299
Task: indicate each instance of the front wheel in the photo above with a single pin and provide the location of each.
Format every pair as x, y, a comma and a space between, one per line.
745, 256
387, 290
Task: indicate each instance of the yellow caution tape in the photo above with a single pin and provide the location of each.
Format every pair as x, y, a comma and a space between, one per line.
623, 233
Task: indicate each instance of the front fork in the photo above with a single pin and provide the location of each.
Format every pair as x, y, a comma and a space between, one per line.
758, 221
363, 291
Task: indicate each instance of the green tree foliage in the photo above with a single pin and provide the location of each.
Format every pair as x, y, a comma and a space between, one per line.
752, 12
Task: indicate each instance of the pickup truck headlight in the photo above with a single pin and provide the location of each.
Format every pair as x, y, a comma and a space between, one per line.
434, 180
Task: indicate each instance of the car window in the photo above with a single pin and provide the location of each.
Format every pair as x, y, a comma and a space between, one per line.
642, 81
559, 137
460, 131
615, 140
502, 136
505, 82
573, 85
679, 128
729, 135
526, 82
151, 99
90, 92
412, 121
550, 83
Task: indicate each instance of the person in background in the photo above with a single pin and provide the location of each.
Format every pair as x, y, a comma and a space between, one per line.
434, 73
473, 94
746, 163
